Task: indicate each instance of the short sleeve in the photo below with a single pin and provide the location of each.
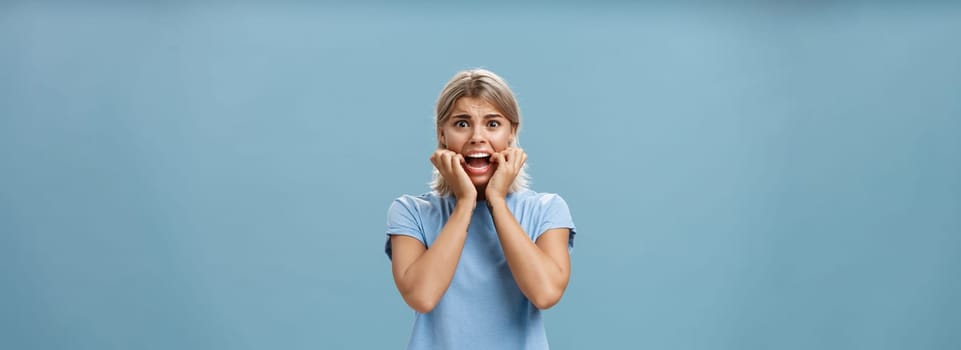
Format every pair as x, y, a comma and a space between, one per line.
555, 214
401, 220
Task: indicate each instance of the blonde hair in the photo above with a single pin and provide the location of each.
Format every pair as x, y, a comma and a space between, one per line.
484, 84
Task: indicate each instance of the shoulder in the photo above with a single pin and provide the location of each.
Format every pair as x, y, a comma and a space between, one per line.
530, 198
419, 202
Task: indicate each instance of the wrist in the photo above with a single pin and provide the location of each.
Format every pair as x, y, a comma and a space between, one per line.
469, 203
493, 195
466, 197
496, 202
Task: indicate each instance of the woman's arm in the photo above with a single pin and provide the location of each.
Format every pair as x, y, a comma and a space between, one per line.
422, 275
540, 269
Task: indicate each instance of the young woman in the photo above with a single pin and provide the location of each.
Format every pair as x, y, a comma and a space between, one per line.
481, 255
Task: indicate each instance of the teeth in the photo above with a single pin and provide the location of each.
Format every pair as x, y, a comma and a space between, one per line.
478, 155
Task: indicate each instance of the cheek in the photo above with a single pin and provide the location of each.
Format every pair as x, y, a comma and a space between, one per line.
451, 138
503, 140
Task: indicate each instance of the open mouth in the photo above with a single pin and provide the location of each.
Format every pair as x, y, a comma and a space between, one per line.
477, 163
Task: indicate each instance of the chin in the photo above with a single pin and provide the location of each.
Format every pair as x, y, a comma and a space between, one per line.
480, 180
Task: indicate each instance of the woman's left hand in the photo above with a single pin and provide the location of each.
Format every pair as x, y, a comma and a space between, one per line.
509, 163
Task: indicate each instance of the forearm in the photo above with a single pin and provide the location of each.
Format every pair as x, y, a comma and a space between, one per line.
424, 282
538, 276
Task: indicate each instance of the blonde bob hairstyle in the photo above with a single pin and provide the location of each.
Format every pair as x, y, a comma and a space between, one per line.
484, 84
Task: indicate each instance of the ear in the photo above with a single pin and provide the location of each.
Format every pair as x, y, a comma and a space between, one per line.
440, 136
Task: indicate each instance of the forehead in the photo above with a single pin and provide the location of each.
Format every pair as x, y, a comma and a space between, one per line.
473, 105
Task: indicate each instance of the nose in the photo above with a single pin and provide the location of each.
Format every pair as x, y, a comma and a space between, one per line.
477, 136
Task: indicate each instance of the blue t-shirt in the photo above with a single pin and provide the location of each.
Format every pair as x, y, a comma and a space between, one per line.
483, 308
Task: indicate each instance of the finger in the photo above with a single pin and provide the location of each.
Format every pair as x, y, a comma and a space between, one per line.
519, 158
438, 160
512, 156
497, 158
507, 155
439, 153
435, 158
447, 160
456, 164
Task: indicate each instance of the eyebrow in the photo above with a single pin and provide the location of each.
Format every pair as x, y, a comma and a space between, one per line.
466, 116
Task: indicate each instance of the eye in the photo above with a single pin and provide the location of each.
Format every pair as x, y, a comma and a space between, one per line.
460, 124
493, 124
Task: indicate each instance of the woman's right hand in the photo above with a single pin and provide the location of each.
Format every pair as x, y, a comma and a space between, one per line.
451, 167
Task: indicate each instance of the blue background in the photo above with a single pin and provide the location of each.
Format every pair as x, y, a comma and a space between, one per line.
745, 175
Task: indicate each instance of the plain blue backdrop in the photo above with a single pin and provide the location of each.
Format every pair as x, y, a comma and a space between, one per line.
744, 175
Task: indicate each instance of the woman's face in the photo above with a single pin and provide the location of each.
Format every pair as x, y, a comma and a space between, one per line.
476, 130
